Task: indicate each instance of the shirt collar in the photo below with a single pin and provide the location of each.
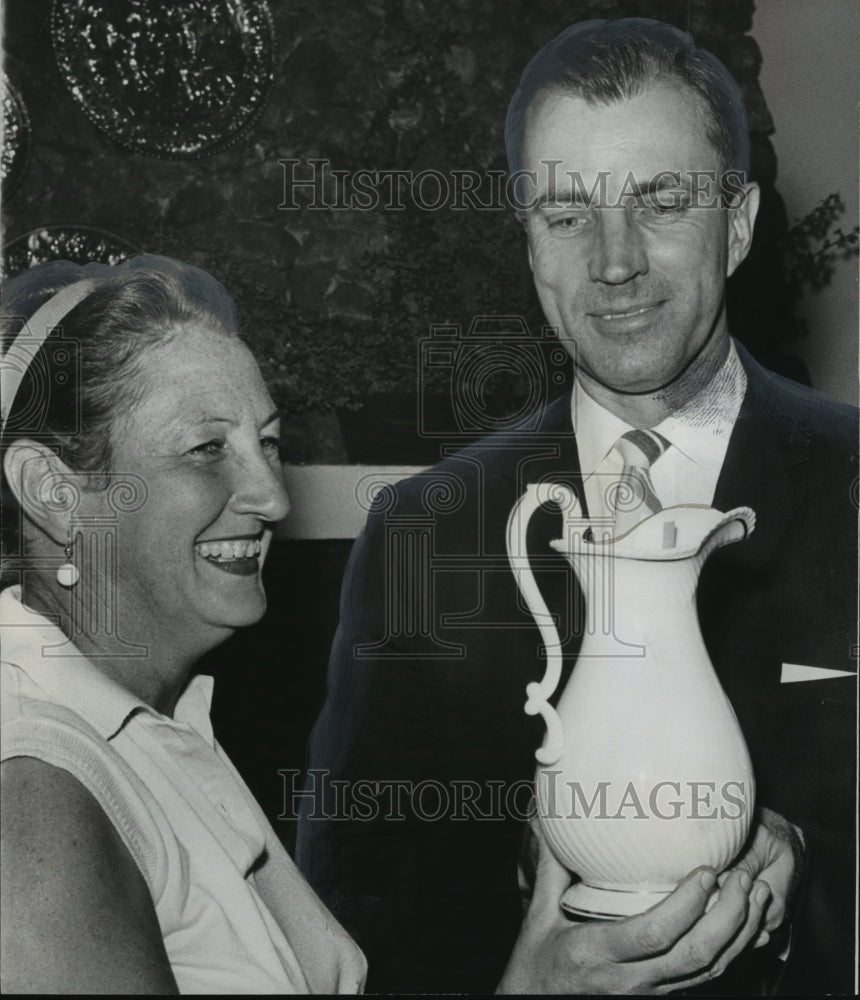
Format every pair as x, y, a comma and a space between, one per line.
714, 411
595, 427
36, 645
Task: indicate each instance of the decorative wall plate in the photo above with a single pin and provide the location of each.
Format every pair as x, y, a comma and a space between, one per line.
16, 137
178, 80
80, 244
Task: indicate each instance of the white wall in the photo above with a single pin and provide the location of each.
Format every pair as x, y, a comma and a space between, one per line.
810, 77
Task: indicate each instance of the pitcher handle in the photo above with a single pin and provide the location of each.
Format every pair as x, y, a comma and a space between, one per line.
537, 694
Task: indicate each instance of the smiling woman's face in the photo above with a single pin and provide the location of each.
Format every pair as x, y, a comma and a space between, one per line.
204, 438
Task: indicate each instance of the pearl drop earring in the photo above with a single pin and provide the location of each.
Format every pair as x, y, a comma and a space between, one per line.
68, 574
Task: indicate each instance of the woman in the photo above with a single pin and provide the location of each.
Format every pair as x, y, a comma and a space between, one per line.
141, 446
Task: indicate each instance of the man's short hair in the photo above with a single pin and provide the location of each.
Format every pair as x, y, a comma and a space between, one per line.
605, 61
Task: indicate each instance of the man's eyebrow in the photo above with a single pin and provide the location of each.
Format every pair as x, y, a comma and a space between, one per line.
272, 417
658, 183
561, 199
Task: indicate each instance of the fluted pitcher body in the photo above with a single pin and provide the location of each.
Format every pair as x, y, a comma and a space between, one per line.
644, 773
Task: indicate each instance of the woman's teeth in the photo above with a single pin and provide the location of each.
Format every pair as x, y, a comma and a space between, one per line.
226, 551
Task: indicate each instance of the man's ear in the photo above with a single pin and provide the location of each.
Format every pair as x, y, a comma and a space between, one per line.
45, 487
741, 221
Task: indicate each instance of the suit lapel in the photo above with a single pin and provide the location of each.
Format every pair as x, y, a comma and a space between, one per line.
557, 458
766, 468
763, 464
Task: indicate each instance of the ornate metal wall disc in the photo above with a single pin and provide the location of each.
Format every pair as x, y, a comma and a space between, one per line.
178, 80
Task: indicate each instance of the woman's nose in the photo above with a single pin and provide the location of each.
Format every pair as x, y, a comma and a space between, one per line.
260, 490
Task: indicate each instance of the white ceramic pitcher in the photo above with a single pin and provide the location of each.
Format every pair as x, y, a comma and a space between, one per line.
644, 773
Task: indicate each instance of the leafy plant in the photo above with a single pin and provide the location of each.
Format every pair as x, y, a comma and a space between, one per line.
814, 245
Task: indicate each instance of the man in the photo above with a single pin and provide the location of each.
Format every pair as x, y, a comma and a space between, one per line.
632, 148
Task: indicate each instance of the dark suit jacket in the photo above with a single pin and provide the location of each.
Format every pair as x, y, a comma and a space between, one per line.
434, 651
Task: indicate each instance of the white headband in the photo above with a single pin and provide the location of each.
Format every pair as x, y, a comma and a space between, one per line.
15, 362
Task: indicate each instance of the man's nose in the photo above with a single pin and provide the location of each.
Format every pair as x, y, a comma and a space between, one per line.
259, 489
619, 253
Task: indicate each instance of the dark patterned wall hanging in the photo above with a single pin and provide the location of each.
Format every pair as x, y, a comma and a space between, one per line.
79, 244
16, 137
180, 80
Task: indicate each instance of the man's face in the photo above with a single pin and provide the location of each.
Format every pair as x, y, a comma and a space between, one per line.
633, 279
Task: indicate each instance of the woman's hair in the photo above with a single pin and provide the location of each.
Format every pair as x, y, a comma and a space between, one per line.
87, 371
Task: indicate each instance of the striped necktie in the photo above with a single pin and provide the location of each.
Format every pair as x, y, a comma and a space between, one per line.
632, 497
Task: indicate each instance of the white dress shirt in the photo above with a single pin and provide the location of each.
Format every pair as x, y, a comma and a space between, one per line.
698, 433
